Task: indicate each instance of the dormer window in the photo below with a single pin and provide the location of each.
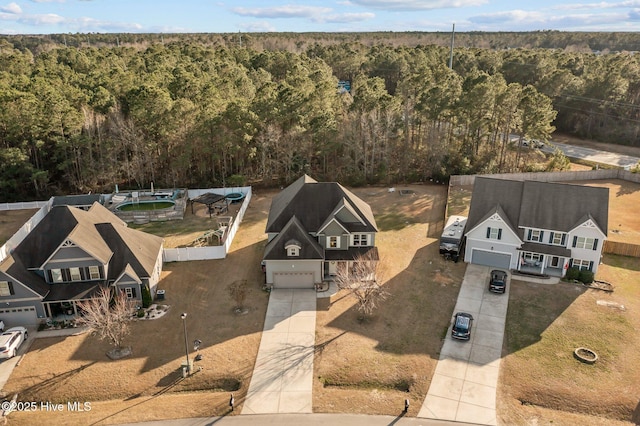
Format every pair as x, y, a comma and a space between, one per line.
293, 248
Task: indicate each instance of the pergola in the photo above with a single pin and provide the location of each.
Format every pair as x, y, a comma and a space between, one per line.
209, 199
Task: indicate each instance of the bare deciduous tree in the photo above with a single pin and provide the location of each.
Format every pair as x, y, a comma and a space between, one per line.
363, 280
238, 291
108, 316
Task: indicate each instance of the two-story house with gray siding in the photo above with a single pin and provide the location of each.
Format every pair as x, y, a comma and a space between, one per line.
314, 229
537, 227
68, 256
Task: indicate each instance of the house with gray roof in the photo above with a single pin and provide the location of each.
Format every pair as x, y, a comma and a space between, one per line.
314, 229
68, 256
537, 227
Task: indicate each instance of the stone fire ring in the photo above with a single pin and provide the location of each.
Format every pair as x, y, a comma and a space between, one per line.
585, 355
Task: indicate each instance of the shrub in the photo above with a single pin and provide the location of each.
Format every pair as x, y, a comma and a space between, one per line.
573, 273
141, 313
236, 180
146, 297
586, 277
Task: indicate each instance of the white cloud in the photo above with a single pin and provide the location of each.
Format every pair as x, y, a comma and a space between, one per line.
288, 11
48, 1
11, 8
508, 16
406, 5
258, 27
345, 18
601, 5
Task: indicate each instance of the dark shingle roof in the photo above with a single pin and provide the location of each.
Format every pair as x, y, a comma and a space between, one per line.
77, 200
544, 205
309, 247
312, 203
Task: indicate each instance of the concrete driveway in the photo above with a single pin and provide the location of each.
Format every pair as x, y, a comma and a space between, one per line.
464, 384
282, 378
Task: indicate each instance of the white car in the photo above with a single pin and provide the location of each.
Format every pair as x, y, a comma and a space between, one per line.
11, 340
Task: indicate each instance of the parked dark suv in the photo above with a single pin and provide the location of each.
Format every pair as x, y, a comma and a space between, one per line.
498, 281
462, 323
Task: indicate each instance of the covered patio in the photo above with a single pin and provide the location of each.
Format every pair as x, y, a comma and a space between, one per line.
542, 259
61, 304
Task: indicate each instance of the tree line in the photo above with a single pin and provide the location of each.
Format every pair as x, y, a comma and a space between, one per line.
189, 113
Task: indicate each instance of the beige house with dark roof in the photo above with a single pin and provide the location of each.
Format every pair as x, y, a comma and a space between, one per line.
536, 227
68, 256
314, 229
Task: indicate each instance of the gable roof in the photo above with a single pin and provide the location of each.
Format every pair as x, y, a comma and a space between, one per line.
544, 205
293, 230
313, 203
495, 196
97, 231
562, 206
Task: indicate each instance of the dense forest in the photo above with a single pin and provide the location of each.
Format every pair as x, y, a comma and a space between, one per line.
83, 113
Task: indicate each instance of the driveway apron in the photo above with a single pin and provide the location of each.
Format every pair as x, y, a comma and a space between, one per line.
283, 375
464, 384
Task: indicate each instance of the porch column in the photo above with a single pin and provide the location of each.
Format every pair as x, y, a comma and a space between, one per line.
544, 258
47, 308
75, 308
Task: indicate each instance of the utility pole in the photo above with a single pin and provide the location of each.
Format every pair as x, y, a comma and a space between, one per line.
453, 31
240, 36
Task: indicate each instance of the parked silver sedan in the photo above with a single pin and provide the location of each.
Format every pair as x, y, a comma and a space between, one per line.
11, 340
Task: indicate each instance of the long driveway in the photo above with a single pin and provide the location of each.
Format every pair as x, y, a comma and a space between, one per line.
464, 384
282, 378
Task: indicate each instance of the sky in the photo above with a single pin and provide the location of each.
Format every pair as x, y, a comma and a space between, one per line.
214, 16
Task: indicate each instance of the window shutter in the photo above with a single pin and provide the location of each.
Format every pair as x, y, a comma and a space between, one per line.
541, 236
564, 239
595, 244
11, 292
133, 291
49, 275
550, 237
575, 240
488, 232
529, 235
570, 263
500, 233
591, 265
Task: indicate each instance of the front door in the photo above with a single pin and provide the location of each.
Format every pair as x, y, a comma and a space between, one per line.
333, 267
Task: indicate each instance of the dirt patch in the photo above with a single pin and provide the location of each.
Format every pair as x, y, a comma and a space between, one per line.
11, 221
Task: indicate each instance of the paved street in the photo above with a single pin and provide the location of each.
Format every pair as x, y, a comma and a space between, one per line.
594, 155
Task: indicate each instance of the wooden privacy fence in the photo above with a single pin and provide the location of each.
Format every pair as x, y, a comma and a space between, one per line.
623, 249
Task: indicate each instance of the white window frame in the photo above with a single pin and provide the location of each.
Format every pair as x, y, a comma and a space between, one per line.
94, 272
331, 240
581, 264
557, 239
56, 276
535, 235
75, 274
494, 233
293, 251
585, 243
360, 240
129, 292
5, 290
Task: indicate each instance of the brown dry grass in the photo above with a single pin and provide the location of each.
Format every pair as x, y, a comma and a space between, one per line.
11, 221
395, 351
541, 381
147, 385
372, 366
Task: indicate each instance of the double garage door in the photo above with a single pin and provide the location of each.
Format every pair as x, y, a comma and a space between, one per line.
22, 316
293, 280
490, 258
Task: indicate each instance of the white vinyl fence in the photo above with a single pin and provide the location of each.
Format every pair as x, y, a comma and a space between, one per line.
22, 233
185, 254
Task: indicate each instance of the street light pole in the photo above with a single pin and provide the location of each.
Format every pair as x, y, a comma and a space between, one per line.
186, 346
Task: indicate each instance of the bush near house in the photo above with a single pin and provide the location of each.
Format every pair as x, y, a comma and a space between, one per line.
146, 297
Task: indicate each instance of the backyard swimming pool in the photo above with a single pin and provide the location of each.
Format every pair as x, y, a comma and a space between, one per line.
146, 205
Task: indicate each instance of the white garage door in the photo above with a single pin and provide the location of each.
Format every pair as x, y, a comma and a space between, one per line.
23, 316
489, 258
293, 280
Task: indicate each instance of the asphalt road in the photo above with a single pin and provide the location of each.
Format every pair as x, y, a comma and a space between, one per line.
594, 155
